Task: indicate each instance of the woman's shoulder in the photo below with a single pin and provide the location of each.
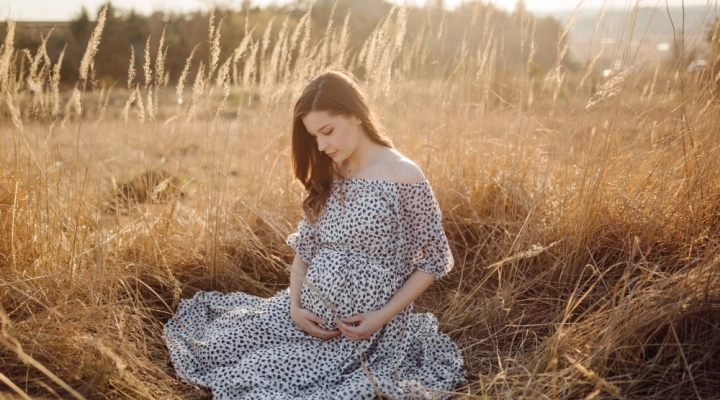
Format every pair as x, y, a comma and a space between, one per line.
404, 170
390, 167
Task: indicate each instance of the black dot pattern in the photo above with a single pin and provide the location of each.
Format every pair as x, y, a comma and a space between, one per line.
371, 236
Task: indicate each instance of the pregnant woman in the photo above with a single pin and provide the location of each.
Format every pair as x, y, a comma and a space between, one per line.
370, 242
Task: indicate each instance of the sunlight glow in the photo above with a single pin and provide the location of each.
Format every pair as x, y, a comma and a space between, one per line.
54, 10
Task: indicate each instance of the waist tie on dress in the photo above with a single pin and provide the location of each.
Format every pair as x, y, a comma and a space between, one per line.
349, 250
362, 254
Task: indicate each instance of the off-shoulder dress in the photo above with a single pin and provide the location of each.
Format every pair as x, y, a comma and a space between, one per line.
371, 236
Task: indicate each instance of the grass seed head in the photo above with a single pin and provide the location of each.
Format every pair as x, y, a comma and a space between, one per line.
131, 68
146, 65
6, 55
93, 44
183, 76
55, 85
160, 62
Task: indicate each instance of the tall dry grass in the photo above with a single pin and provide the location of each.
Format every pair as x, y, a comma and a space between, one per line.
583, 214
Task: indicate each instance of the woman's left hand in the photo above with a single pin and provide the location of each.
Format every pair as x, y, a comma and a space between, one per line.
361, 326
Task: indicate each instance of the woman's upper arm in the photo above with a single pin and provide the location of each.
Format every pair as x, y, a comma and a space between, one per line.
427, 248
304, 241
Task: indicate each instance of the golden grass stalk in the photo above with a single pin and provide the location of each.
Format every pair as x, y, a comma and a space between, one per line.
590, 70
150, 105
146, 65
533, 48
93, 44
75, 102
283, 55
250, 66
6, 55
214, 41
401, 28
651, 89
15, 116
270, 74
248, 78
339, 50
126, 109
223, 81
563, 40
183, 76
93, 81
367, 54
489, 48
409, 56
55, 85
304, 20
380, 52
325, 47
239, 53
392, 49
4, 379
160, 62
12, 344
36, 77
591, 66
609, 89
266, 38
104, 104
305, 42
198, 90
131, 68
141, 109
303, 68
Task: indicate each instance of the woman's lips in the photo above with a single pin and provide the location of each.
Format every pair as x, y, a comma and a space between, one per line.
331, 155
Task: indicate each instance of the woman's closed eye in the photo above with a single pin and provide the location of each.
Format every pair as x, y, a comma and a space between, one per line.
326, 133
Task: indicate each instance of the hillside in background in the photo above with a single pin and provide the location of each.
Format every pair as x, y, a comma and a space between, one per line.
632, 35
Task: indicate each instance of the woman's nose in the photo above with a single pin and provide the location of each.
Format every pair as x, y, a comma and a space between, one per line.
322, 143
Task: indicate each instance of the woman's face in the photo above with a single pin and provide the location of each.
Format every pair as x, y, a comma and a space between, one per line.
336, 135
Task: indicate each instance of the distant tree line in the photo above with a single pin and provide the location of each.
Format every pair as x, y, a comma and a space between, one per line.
518, 35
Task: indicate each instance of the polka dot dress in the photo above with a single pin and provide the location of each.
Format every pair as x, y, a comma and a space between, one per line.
371, 236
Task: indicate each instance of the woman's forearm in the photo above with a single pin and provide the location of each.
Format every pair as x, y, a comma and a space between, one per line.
416, 284
297, 276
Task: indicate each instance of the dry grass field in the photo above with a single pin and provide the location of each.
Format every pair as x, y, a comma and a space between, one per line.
583, 213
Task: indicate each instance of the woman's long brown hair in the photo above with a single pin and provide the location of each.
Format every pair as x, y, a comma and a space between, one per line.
336, 92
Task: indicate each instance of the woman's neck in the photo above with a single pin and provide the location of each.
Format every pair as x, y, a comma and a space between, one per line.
366, 153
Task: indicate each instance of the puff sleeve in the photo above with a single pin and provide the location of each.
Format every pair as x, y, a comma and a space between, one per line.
304, 241
426, 247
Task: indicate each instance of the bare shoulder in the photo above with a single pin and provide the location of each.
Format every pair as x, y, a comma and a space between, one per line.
404, 170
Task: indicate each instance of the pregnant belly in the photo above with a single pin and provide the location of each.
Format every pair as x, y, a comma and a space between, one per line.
343, 283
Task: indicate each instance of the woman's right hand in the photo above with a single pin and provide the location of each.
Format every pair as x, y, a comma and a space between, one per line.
308, 322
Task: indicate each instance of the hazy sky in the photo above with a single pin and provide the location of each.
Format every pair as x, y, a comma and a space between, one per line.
58, 10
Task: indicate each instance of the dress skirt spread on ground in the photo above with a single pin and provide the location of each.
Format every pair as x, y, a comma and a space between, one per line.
370, 237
